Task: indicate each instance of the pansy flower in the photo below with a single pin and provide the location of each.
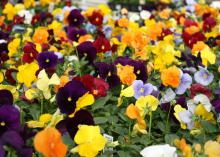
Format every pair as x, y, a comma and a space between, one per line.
49, 143
198, 88
102, 44
203, 76
108, 72
82, 117
90, 141
88, 50
171, 77
97, 86
75, 33
47, 60
208, 24
6, 97
30, 52
69, 94
186, 81
41, 35
26, 73
141, 89
75, 18
96, 18
9, 118
43, 83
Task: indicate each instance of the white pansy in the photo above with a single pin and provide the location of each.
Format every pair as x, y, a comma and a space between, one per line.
134, 17
215, 4
203, 99
159, 151
145, 14
168, 96
2, 41
27, 16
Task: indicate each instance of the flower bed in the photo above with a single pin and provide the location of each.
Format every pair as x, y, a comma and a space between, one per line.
95, 82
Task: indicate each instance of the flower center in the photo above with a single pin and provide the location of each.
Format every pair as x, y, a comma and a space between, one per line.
138, 72
97, 19
75, 20
2, 123
31, 55
109, 74
47, 60
77, 35
52, 145
205, 76
103, 47
142, 90
95, 92
69, 99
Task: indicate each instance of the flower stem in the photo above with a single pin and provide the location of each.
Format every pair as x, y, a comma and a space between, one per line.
151, 116
41, 107
167, 121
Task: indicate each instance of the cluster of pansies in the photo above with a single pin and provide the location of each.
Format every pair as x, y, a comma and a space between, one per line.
98, 82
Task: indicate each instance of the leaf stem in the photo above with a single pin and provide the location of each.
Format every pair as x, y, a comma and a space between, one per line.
151, 117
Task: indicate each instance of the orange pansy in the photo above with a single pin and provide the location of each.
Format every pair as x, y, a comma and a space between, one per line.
126, 74
40, 35
49, 143
171, 77
123, 22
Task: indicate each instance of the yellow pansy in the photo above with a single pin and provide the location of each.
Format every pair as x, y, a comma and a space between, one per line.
44, 83
18, 7
147, 102
31, 94
44, 2
89, 140
12, 89
1, 77
127, 92
29, 3
201, 111
85, 100
43, 120
26, 73
105, 9
13, 47
212, 149
10, 11
177, 110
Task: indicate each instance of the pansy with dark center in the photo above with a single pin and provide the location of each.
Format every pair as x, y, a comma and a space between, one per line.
75, 33
88, 50
102, 44
30, 52
107, 72
47, 60
68, 95
75, 18
6, 97
9, 118
82, 117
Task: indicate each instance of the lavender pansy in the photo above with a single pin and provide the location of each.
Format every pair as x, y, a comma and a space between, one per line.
203, 76
186, 81
141, 89
168, 96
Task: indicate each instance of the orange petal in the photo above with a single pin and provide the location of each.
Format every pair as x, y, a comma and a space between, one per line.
132, 112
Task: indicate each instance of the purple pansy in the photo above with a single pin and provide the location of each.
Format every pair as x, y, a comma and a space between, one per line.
9, 118
141, 89
186, 81
108, 72
88, 50
75, 18
203, 76
6, 97
82, 117
69, 94
75, 33
47, 60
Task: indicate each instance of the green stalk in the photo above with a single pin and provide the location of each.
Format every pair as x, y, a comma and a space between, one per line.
151, 117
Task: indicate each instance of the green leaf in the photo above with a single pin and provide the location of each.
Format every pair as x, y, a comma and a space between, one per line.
169, 138
100, 120
209, 127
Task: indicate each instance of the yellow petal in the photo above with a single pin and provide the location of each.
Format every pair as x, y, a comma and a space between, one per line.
54, 80
85, 100
1, 77
128, 92
31, 93
45, 118
35, 124
177, 110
